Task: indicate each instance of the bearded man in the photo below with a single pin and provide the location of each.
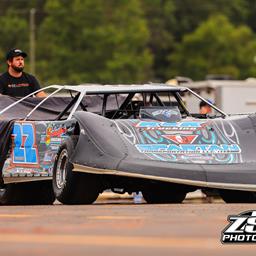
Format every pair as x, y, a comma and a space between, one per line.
15, 82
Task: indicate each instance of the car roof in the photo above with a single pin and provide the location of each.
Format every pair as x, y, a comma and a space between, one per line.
121, 88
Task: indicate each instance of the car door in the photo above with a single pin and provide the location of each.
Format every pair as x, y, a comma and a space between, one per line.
34, 146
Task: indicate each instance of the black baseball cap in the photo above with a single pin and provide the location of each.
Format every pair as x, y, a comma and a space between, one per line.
14, 53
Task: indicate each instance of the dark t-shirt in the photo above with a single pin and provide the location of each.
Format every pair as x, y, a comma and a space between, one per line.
18, 87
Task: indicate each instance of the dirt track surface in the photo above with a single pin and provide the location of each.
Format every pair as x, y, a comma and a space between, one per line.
119, 227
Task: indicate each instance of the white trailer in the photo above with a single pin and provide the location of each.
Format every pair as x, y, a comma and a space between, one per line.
232, 96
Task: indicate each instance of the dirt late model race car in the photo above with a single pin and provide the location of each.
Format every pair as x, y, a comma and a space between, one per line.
82, 140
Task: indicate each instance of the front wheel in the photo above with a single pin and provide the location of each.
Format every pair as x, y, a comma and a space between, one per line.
72, 187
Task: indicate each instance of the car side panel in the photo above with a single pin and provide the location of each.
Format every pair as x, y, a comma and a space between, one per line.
34, 146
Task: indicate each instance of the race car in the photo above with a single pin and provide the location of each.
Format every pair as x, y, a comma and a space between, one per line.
81, 140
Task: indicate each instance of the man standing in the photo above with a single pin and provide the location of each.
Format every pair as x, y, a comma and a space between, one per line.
205, 108
15, 82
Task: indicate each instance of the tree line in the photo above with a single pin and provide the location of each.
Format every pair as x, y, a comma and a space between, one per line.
132, 41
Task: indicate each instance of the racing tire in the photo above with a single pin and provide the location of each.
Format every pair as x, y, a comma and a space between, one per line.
159, 194
27, 193
72, 187
236, 196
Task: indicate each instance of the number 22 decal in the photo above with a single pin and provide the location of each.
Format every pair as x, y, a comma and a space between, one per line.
25, 149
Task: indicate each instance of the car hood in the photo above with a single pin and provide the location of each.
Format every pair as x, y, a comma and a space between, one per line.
200, 141
191, 150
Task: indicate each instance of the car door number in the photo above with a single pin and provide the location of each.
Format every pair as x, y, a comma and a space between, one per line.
25, 149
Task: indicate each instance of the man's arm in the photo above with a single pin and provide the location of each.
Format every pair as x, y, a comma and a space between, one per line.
36, 86
41, 94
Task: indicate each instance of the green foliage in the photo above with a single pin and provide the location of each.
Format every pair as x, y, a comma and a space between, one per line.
122, 41
216, 46
94, 41
10, 40
190, 14
160, 18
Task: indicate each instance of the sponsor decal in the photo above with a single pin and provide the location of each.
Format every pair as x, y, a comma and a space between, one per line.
191, 141
48, 156
175, 126
164, 112
51, 133
188, 148
241, 229
18, 85
181, 139
24, 172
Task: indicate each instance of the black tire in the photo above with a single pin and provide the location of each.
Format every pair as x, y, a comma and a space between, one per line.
236, 196
72, 187
27, 193
163, 194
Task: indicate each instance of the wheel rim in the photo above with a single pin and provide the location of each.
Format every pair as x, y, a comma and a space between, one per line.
61, 169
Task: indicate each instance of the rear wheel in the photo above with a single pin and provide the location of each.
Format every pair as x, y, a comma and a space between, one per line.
27, 193
236, 196
72, 187
160, 194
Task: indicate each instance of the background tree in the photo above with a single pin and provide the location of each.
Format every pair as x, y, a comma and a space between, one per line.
131, 41
170, 20
19, 27
14, 25
160, 19
250, 17
189, 14
94, 41
216, 47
